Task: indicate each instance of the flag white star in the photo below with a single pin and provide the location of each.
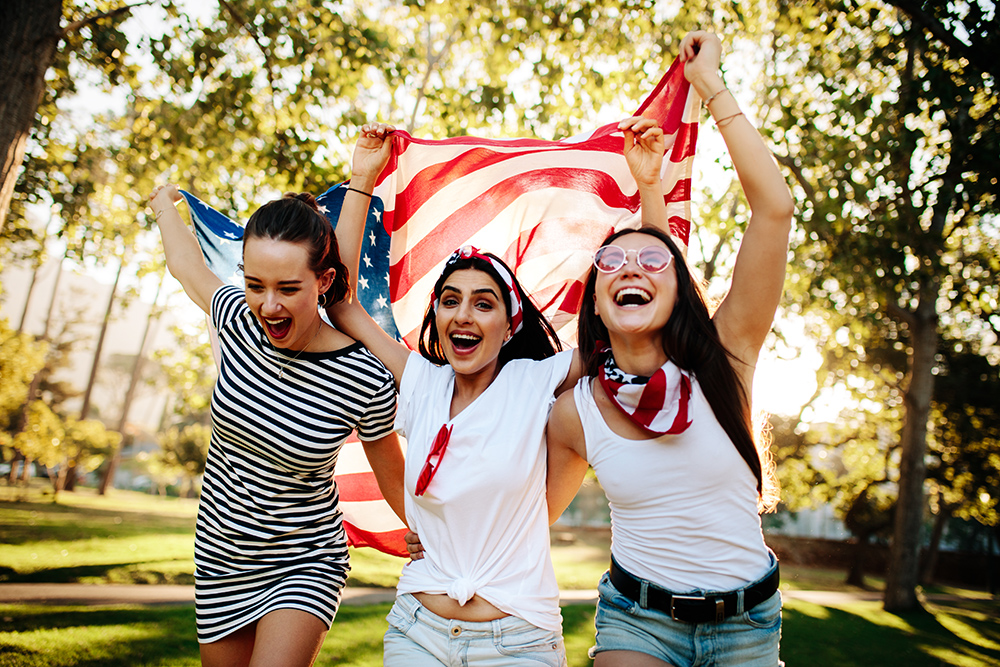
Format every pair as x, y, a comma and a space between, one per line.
372, 237
324, 210
368, 262
387, 281
378, 215
363, 282
381, 301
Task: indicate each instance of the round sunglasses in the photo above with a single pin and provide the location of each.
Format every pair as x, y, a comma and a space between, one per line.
651, 259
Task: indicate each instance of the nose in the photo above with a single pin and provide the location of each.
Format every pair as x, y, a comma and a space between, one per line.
631, 265
271, 303
464, 313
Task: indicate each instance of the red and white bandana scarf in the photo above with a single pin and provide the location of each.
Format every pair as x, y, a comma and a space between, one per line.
658, 404
516, 310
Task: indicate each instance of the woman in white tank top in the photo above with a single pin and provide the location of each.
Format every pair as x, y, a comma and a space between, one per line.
663, 416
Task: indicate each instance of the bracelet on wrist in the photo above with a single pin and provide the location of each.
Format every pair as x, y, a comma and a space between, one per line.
711, 98
727, 120
367, 194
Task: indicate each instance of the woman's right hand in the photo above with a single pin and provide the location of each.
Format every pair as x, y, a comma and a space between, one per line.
372, 151
163, 195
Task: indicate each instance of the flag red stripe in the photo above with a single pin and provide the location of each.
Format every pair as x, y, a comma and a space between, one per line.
358, 486
390, 542
456, 228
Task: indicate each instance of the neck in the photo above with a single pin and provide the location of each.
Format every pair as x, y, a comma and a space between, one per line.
468, 387
638, 355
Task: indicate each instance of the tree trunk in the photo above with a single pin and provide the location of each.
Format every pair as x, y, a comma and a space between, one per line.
85, 407
904, 556
29, 37
856, 571
933, 548
107, 481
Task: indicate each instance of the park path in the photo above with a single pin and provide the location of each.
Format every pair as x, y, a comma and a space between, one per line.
106, 594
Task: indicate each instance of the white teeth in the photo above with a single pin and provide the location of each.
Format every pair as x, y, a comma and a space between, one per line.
642, 295
270, 321
469, 337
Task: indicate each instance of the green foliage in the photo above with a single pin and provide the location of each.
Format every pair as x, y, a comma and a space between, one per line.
892, 135
964, 471
20, 358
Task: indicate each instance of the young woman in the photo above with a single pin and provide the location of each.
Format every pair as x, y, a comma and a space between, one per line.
270, 548
663, 416
473, 406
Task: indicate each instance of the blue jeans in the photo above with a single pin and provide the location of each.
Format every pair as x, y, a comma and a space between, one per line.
749, 639
419, 638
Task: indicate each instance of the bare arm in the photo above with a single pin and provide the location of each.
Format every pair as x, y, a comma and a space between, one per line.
370, 156
567, 464
386, 459
184, 259
745, 316
644, 149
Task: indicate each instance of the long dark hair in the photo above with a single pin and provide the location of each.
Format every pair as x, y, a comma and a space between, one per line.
296, 218
692, 342
536, 339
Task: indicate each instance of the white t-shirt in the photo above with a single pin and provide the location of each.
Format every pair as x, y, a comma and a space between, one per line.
683, 507
483, 521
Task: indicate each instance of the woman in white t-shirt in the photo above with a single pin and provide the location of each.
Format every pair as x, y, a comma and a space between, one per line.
472, 405
663, 416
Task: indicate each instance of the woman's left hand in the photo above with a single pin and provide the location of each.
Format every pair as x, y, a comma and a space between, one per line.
644, 148
413, 545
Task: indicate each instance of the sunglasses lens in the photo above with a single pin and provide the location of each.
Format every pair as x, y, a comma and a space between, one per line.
654, 258
609, 259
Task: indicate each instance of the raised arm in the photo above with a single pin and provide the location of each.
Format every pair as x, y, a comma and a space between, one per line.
567, 464
184, 259
644, 148
370, 156
746, 314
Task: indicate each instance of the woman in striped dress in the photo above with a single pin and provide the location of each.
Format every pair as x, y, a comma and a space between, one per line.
270, 548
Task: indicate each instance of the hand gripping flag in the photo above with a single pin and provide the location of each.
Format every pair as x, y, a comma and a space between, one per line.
543, 206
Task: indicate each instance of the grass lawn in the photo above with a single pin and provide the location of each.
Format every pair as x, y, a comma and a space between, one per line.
852, 634
131, 537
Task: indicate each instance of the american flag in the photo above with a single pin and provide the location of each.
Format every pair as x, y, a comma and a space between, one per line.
543, 206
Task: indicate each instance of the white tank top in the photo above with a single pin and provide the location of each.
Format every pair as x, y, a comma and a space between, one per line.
683, 507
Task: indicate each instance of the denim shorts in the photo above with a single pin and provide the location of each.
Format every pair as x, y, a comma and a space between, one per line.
420, 638
749, 639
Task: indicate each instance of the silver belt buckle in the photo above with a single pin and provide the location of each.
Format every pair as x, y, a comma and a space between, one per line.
675, 598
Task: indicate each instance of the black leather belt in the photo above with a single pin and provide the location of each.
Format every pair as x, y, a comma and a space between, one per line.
692, 608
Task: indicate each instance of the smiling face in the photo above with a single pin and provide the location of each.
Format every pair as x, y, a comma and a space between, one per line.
631, 301
282, 291
471, 321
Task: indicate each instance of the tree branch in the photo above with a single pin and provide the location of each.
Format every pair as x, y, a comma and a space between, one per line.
77, 25
980, 58
226, 5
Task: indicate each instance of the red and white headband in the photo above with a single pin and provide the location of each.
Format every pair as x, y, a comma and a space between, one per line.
516, 311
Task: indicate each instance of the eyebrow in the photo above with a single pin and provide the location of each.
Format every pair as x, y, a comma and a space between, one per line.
280, 282
482, 290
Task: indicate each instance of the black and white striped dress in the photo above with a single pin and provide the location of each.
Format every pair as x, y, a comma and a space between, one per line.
269, 532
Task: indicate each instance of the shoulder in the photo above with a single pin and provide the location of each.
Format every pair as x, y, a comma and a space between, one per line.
555, 367
565, 427
227, 303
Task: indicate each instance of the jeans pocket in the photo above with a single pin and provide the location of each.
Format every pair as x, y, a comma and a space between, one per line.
400, 619
609, 595
767, 614
541, 646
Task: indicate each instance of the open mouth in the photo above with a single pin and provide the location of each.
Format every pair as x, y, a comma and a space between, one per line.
278, 328
464, 341
632, 296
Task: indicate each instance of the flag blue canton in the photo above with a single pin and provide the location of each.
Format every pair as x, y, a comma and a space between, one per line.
221, 241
